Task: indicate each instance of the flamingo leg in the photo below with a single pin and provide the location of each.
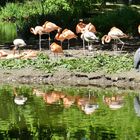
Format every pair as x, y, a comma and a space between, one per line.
68, 44
84, 46
39, 42
49, 40
115, 48
61, 43
122, 44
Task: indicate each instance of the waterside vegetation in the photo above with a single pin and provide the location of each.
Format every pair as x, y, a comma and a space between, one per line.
99, 62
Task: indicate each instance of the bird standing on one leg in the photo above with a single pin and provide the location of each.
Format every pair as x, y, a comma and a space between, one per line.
65, 35
18, 43
40, 31
59, 36
50, 27
68, 34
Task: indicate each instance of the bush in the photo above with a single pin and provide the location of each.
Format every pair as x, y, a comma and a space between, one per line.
124, 18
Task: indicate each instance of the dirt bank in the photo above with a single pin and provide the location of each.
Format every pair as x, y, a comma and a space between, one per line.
129, 79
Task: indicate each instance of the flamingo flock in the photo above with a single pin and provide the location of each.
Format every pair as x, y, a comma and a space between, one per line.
87, 32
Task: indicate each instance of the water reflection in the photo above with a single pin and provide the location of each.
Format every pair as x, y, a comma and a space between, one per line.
19, 99
114, 102
64, 114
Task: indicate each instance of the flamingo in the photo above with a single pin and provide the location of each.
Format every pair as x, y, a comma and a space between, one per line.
139, 29
3, 53
89, 37
88, 27
80, 26
18, 43
56, 49
115, 34
29, 54
50, 27
65, 34
38, 30
59, 36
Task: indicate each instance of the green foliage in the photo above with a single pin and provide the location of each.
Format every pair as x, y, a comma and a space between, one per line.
125, 18
106, 63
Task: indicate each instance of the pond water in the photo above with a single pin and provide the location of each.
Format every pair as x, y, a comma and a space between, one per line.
7, 32
68, 113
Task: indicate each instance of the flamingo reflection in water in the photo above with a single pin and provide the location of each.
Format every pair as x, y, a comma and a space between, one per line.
114, 102
19, 99
53, 97
50, 97
87, 104
68, 101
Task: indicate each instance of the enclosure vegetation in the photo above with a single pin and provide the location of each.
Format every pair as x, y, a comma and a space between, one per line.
66, 13
105, 63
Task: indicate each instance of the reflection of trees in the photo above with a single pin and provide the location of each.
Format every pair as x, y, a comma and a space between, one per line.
38, 120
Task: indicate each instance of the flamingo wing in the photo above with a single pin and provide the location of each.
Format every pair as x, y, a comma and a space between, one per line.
90, 36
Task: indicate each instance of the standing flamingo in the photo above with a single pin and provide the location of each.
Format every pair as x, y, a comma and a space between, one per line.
115, 34
38, 30
59, 36
18, 43
80, 26
139, 29
65, 34
88, 36
50, 27
88, 27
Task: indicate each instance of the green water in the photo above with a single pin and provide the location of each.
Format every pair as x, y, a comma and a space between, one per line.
46, 116
7, 32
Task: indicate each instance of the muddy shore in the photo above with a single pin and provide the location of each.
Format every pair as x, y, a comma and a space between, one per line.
125, 80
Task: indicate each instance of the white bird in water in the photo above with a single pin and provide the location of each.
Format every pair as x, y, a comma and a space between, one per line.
18, 43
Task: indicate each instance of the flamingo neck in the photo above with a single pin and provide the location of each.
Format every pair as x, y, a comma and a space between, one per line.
33, 31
